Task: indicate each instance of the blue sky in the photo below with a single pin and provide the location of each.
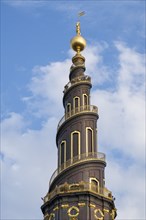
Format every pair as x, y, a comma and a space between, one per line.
35, 62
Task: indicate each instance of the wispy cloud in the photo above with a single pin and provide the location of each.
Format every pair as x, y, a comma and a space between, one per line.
121, 131
46, 86
24, 176
126, 105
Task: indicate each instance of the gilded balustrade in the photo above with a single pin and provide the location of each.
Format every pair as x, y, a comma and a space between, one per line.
78, 110
79, 187
77, 159
77, 80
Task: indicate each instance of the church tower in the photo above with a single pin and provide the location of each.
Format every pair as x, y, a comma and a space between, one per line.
77, 187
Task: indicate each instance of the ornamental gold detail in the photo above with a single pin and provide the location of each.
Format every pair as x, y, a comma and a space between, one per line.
56, 208
113, 214
98, 214
73, 212
92, 205
46, 216
65, 206
81, 204
106, 210
52, 216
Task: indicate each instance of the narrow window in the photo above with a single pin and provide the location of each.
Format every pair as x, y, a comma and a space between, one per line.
85, 100
75, 146
76, 104
68, 110
89, 141
63, 154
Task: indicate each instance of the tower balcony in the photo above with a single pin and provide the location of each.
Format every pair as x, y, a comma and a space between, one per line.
80, 187
77, 80
76, 160
76, 111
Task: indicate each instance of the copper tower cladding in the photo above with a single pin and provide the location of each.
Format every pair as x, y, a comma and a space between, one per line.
77, 188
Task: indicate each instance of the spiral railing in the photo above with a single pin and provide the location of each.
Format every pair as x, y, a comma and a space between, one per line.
75, 160
77, 80
78, 110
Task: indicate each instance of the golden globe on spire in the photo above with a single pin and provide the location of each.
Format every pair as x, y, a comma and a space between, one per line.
78, 43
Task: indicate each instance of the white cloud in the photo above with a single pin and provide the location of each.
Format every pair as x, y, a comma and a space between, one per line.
27, 163
132, 68
128, 185
122, 133
46, 87
123, 111
94, 63
26, 166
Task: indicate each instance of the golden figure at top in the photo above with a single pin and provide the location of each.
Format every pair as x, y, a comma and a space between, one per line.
78, 31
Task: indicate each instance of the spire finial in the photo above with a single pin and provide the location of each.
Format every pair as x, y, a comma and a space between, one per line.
78, 29
78, 43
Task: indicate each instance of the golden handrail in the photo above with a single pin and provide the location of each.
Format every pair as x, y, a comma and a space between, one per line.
76, 111
77, 159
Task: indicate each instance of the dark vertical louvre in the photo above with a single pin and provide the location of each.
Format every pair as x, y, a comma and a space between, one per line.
76, 102
85, 100
68, 153
68, 108
75, 144
89, 140
62, 153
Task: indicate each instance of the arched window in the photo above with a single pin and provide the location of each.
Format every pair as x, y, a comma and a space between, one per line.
89, 141
94, 184
62, 154
68, 110
75, 146
76, 104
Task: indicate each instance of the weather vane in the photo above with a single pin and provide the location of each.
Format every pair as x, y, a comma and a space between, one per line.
81, 13
78, 30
